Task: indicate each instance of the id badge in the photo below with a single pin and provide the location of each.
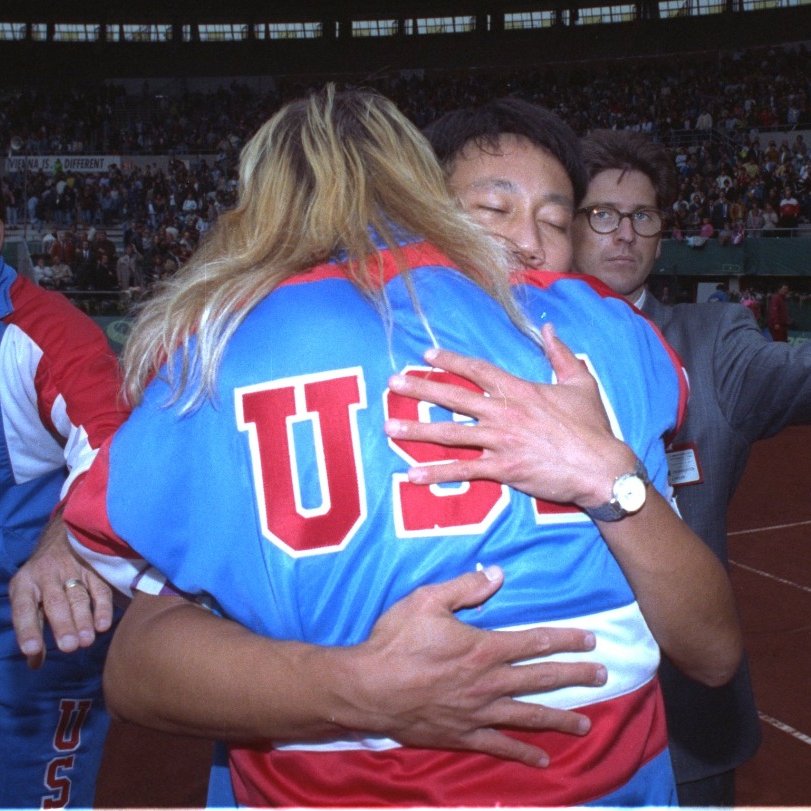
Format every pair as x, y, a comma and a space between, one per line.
683, 465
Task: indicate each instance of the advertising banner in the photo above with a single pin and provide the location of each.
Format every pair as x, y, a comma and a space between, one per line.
68, 163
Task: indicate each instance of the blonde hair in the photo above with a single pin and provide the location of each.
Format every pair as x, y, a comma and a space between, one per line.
319, 178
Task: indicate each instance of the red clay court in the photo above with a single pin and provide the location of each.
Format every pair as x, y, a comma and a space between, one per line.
770, 533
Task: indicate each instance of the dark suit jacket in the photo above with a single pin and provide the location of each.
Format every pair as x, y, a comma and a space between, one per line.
743, 387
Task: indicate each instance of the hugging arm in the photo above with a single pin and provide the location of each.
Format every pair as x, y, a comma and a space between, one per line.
554, 442
423, 677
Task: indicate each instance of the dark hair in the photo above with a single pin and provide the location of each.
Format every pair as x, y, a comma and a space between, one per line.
632, 151
484, 125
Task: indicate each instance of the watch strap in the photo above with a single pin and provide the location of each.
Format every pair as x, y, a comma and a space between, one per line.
611, 510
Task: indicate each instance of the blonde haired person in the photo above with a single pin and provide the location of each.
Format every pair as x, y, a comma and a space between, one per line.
320, 180
255, 477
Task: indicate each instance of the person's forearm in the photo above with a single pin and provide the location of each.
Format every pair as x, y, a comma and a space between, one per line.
682, 589
155, 678
422, 677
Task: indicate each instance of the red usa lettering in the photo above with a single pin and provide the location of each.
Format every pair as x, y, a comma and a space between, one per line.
326, 404
57, 782
421, 511
67, 738
72, 715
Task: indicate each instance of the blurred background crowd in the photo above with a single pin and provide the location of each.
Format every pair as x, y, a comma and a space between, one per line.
733, 122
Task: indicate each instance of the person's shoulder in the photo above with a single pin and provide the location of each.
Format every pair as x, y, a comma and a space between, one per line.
48, 316
715, 312
584, 294
575, 284
705, 318
731, 325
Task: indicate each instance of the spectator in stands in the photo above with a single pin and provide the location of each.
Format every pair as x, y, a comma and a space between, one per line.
755, 221
88, 204
105, 276
723, 181
725, 234
101, 242
720, 212
789, 212
85, 268
707, 230
128, 270
750, 301
32, 204
737, 209
43, 274
66, 203
697, 209
134, 233
770, 220
49, 238
62, 276
189, 204
155, 271
64, 248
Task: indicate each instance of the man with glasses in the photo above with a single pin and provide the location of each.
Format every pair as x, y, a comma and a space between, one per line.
743, 388
646, 222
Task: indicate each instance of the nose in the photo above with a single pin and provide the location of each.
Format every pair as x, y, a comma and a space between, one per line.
525, 238
625, 231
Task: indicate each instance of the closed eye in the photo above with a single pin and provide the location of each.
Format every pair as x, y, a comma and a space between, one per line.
492, 209
562, 227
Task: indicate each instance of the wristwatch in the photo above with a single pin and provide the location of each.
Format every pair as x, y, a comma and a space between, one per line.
628, 495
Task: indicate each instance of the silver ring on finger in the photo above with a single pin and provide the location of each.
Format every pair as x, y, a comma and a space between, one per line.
72, 582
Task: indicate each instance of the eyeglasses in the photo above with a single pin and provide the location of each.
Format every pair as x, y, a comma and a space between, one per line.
646, 222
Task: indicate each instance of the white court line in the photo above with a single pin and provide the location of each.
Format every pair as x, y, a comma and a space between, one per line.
789, 730
768, 529
770, 576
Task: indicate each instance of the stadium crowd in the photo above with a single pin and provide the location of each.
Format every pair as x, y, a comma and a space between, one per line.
710, 110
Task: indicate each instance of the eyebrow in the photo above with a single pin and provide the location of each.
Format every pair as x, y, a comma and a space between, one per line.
640, 207
502, 184
493, 183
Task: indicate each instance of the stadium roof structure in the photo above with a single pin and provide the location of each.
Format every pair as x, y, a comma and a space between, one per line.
210, 10
120, 38
216, 10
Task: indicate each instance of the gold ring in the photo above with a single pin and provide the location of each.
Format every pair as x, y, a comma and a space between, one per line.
73, 582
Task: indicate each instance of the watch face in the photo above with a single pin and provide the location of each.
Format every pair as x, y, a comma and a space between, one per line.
630, 492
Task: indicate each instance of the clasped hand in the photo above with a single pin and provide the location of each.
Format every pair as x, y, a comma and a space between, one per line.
552, 442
